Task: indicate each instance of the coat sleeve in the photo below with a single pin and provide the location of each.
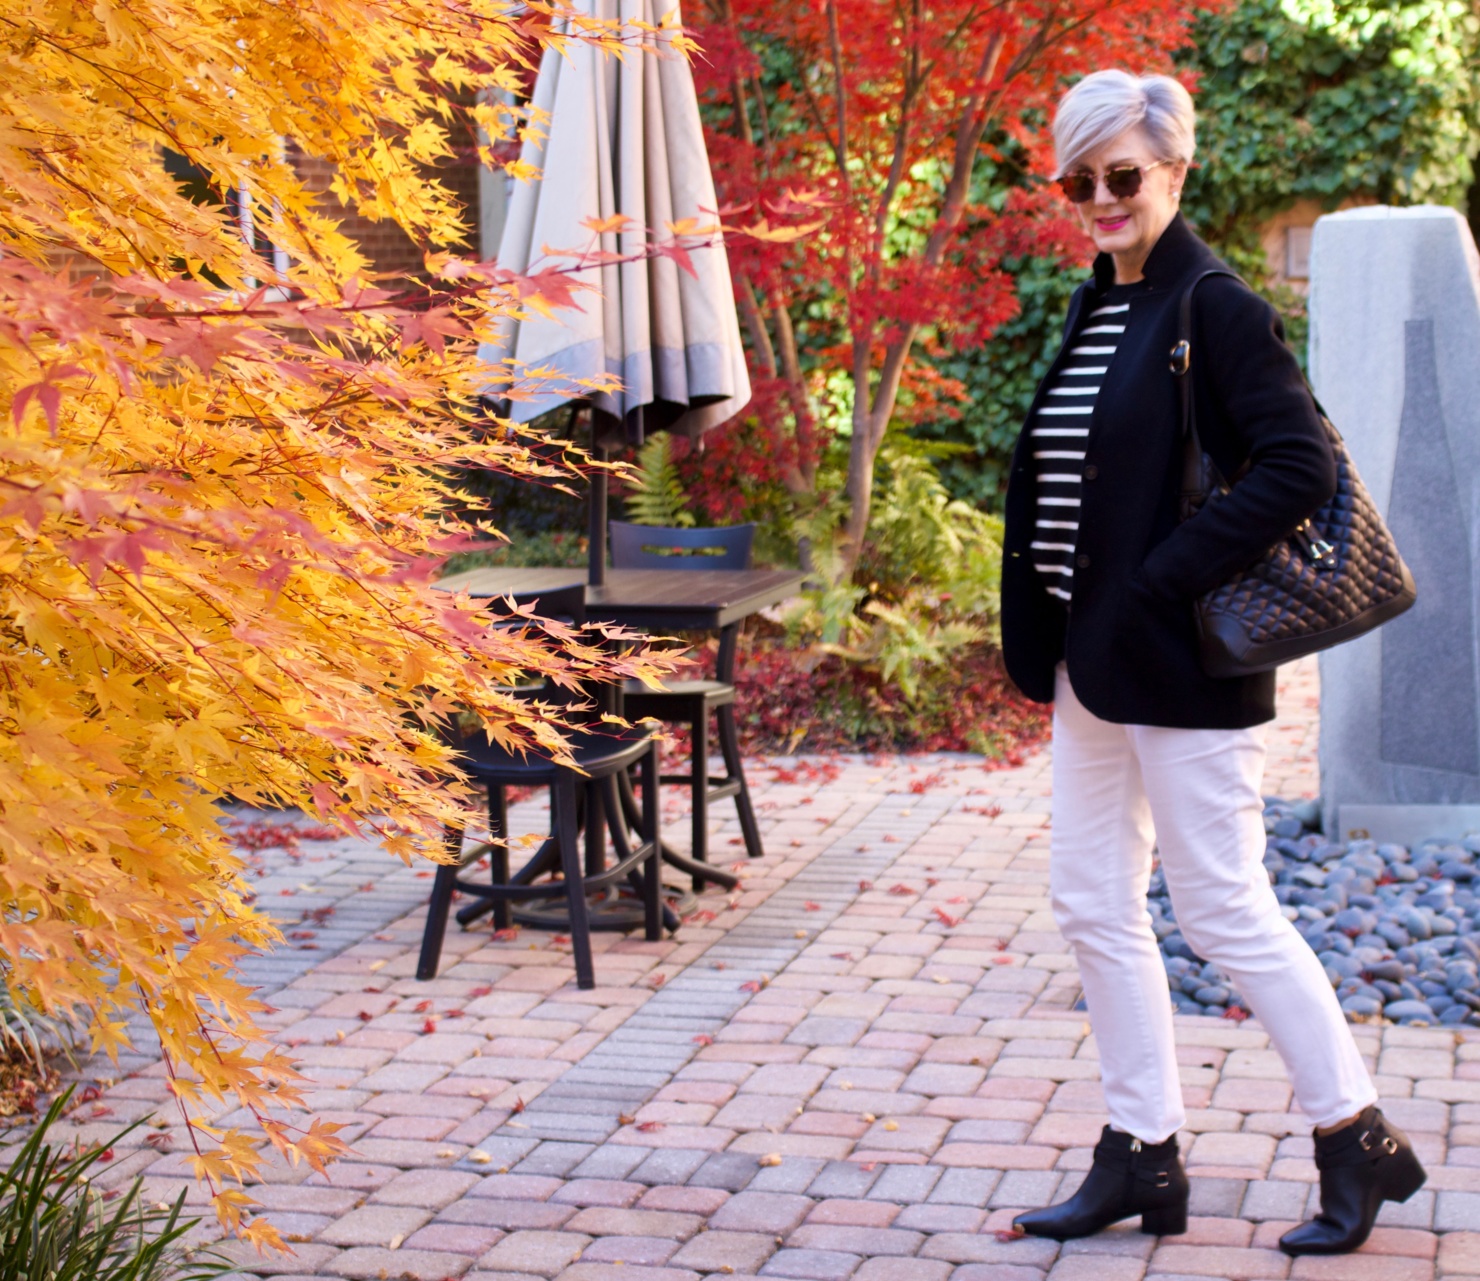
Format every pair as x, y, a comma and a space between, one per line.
1253, 386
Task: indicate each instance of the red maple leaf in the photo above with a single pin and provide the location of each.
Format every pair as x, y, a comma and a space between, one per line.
432, 327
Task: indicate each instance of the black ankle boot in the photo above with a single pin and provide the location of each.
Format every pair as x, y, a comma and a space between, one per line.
1128, 1177
1362, 1165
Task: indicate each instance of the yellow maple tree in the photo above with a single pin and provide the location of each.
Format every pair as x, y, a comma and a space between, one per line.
224, 470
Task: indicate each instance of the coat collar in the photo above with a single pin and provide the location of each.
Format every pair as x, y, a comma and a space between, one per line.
1174, 256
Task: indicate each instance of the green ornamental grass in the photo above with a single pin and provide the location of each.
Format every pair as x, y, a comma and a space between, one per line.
54, 1226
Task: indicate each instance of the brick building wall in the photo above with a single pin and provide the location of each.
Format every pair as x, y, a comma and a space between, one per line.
387, 247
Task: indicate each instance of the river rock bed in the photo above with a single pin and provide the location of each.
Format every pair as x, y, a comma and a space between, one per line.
1397, 929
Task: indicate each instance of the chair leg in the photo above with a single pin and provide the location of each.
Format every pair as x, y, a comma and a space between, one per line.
437, 908
652, 881
595, 826
498, 856
699, 767
563, 796
729, 746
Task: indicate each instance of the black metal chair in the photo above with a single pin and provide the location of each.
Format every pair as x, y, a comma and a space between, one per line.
692, 702
603, 756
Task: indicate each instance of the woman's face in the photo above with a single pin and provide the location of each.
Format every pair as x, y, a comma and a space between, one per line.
1128, 226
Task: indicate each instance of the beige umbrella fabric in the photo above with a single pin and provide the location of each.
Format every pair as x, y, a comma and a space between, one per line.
624, 138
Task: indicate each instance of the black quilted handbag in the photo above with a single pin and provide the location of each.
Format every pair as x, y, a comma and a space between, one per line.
1335, 577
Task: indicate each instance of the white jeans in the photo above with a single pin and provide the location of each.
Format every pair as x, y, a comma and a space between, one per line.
1115, 787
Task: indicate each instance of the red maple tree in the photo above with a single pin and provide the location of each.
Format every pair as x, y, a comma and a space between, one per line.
912, 136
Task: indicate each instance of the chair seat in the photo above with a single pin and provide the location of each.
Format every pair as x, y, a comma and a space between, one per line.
642, 701
598, 752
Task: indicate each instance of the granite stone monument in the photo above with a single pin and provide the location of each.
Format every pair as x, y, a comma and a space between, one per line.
1395, 360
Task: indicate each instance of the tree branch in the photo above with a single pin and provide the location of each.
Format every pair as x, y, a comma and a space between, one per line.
796, 389
840, 91
913, 82
970, 125
755, 325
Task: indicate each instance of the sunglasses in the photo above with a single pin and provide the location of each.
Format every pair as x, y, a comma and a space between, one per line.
1122, 182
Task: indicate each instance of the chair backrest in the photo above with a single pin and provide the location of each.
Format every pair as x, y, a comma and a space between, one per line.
666, 547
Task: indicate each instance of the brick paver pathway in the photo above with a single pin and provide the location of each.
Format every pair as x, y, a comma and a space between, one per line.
861, 1064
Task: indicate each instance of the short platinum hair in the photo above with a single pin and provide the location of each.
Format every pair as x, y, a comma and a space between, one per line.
1105, 104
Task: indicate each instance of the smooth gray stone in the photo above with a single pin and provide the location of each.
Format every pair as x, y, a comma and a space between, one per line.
1395, 323
1408, 1009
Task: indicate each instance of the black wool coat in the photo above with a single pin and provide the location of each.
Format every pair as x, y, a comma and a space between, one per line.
1128, 638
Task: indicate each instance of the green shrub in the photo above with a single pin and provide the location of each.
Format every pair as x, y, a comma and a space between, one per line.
1000, 378
544, 547
926, 590
54, 1226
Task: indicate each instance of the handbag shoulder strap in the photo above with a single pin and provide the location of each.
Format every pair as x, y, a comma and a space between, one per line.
1194, 490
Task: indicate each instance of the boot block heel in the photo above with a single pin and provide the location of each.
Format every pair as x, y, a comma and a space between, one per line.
1403, 1176
1169, 1221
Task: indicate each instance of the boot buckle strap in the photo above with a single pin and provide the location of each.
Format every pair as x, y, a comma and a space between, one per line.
1388, 1144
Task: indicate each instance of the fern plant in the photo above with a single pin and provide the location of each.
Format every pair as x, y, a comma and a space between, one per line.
54, 1226
657, 496
933, 568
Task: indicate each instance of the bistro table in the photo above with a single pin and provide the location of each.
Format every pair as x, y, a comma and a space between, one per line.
687, 600
656, 600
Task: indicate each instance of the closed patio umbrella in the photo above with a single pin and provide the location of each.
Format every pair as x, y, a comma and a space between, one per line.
624, 138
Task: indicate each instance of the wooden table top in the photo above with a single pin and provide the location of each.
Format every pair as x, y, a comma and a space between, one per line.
657, 599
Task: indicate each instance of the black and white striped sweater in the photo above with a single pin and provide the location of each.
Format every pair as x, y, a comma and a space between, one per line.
1060, 431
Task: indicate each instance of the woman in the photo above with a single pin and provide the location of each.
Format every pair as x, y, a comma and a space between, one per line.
1098, 578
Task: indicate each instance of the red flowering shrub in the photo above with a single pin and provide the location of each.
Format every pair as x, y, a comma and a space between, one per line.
795, 701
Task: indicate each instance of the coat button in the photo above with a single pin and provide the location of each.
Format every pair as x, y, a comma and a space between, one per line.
1082, 561
1091, 472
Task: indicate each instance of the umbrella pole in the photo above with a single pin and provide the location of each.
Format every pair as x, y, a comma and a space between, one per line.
596, 541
